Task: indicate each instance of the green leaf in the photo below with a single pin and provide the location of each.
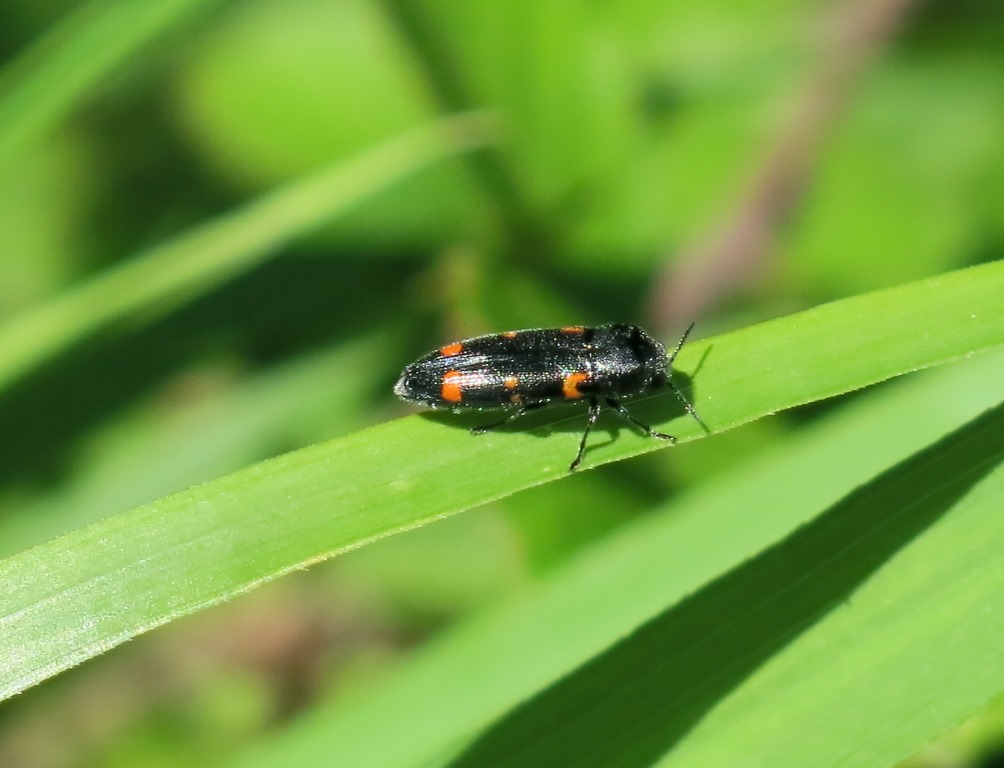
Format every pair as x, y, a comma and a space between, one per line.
912, 644
850, 643
151, 451
199, 260
642, 571
70, 599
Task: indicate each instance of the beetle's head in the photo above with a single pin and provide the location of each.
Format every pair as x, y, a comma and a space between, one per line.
420, 385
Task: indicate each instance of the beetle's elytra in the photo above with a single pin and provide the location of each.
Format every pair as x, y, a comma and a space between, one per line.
517, 371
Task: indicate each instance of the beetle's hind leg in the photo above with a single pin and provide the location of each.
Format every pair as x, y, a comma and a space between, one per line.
480, 430
643, 427
594, 412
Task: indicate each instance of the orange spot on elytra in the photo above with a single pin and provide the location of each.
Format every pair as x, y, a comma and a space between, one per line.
450, 389
510, 334
510, 382
573, 329
451, 349
570, 385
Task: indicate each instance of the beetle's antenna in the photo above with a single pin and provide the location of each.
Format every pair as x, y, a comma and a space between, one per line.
681, 342
669, 379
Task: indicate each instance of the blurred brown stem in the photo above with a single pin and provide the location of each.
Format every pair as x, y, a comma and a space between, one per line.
720, 263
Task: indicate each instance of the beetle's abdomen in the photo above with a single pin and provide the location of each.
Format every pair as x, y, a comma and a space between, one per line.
512, 369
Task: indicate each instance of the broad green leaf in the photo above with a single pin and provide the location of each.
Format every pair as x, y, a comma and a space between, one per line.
198, 260
605, 594
72, 598
152, 451
851, 643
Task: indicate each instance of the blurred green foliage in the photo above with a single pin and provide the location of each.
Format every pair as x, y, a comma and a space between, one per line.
629, 132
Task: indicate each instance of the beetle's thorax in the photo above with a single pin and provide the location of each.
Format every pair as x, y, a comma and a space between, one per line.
628, 360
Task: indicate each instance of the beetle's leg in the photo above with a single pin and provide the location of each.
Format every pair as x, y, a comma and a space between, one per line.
514, 415
643, 427
496, 424
686, 403
594, 412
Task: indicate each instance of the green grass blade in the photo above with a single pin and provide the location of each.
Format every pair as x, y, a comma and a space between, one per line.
149, 452
86, 592
609, 591
39, 89
850, 644
199, 260
914, 649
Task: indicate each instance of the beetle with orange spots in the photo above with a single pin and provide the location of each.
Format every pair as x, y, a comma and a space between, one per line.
518, 371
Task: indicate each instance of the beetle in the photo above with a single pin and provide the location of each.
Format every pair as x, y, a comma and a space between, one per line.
519, 371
